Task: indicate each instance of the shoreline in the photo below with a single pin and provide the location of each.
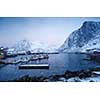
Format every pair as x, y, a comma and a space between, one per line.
88, 75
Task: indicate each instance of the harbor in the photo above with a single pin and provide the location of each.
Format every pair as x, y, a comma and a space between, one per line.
23, 59
56, 64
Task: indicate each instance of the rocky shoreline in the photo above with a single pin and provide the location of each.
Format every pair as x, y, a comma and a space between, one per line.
89, 75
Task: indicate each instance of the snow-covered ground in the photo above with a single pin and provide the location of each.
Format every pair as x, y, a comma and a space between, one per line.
77, 79
92, 45
90, 79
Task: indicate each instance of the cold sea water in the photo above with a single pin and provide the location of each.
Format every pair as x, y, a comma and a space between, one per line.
58, 64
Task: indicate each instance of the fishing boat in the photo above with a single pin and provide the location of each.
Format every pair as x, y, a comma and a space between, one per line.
34, 66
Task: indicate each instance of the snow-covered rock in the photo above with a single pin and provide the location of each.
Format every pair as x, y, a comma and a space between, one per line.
74, 79
86, 37
89, 79
62, 79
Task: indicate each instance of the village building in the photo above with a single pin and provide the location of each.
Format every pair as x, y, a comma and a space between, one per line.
3, 52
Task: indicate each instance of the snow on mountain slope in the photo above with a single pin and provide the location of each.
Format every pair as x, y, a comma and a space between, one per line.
81, 39
92, 45
23, 45
26, 45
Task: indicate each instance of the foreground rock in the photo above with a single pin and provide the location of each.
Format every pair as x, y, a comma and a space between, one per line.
89, 75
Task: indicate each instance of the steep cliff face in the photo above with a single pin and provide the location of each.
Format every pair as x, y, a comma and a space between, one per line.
78, 39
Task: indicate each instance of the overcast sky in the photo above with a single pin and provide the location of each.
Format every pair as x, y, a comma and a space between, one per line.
52, 31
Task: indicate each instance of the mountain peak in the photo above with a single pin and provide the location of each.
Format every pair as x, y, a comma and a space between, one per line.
92, 24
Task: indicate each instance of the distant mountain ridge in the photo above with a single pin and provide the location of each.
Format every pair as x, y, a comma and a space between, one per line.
35, 47
80, 40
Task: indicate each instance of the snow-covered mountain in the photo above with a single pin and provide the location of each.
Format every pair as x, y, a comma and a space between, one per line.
23, 45
86, 37
27, 45
92, 45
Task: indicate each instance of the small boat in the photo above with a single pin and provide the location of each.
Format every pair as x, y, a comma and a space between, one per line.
39, 57
34, 66
33, 58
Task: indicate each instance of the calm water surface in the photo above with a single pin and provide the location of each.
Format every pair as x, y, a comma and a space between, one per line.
58, 63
